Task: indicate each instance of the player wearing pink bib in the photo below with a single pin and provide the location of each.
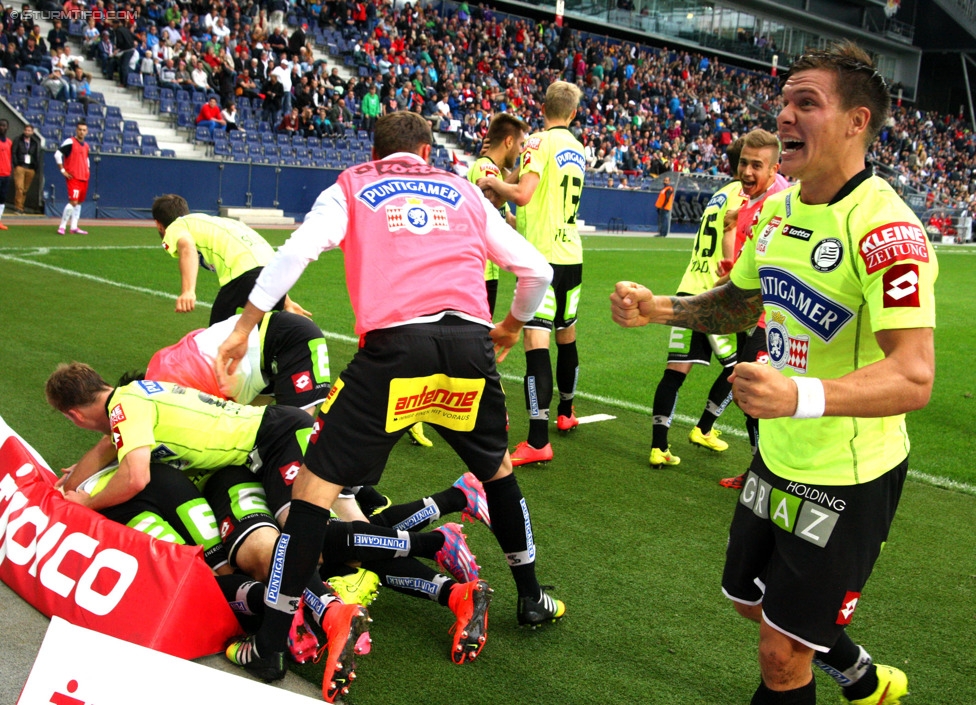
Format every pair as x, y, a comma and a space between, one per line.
72, 159
415, 240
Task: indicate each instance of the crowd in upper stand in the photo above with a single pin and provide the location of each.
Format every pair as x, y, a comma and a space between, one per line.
645, 110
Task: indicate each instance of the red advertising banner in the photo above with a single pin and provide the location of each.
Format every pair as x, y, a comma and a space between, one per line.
70, 562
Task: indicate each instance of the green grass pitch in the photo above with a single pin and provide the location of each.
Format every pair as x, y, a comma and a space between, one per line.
636, 553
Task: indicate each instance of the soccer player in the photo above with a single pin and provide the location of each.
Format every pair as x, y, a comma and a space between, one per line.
415, 241
758, 171
230, 249
687, 347
550, 181
72, 160
506, 134
845, 275
287, 352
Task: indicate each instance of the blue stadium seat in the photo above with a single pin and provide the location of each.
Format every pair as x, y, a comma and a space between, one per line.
149, 141
203, 135
96, 97
112, 137
167, 153
113, 111
222, 150
131, 149
313, 142
150, 93
167, 106
113, 123
76, 110
130, 126
133, 80
130, 138
235, 136
96, 111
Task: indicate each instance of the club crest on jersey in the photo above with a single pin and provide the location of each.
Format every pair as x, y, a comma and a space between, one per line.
379, 192
416, 216
827, 255
820, 315
785, 350
767, 235
571, 156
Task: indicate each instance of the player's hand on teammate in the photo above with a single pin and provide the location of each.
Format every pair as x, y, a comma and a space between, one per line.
186, 302
293, 307
763, 392
631, 304
229, 355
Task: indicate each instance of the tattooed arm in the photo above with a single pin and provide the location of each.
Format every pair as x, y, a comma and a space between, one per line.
725, 309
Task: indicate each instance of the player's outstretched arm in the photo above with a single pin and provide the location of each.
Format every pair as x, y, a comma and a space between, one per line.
232, 351
725, 309
189, 266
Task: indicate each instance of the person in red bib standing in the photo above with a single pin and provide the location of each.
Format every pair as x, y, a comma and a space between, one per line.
6, 166
72, 159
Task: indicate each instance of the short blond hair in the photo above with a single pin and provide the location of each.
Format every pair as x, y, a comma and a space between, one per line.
761, 139
562, 98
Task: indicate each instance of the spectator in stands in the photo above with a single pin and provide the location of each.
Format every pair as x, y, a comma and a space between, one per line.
210, 116
246, 87
11, 60
229, 114
106, 55
370, 108
297, 40
32, 59
320, 121
283, 73
80, 87
26, 152
57, 38
200, 81
271, 106
664, 204
125, 45
289, 123
341, 117
55, 85
306, 128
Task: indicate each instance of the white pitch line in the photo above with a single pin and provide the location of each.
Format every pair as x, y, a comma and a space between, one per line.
594, 418
935, 480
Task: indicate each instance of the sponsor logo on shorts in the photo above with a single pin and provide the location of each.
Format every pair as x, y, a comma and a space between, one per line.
326, 405
388, 542
150, 387
302, 381
429, 512
376, 194
452, 402
827, 255
117, 438
226, 528
289, 472
814, 311
806, 519
416, 584
798, 233
901, 286
783, 349
277, 568
117, 416
892, 243
847, 607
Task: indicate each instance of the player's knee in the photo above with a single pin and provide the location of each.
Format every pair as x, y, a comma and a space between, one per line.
750, 612
253, 557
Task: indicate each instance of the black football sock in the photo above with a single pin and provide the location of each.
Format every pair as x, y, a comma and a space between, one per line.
851, 667
293, 564
807, 695
411, 577
665, 401
538, 395
245, 597
719, 397
513, 530
567, 376
422, 512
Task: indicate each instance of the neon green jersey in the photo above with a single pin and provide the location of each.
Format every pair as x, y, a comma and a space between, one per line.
700, 275
187, 429
484, 166
548, 221
831, 277
227, 247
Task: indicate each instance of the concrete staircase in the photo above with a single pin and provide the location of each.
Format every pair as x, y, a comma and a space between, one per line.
257, 216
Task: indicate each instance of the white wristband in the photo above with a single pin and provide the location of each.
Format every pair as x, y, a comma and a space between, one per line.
810, 401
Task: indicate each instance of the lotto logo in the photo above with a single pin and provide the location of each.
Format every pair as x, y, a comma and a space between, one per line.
289, 472
302, 381
847, 607
901, 286
226, 527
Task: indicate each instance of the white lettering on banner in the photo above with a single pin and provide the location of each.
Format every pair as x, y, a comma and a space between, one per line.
43, 540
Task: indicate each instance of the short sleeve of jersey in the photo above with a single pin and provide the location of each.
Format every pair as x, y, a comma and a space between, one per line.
176, 231
132, 418
895, 262
536, 154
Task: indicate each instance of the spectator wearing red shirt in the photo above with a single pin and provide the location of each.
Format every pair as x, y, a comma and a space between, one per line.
209, 116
